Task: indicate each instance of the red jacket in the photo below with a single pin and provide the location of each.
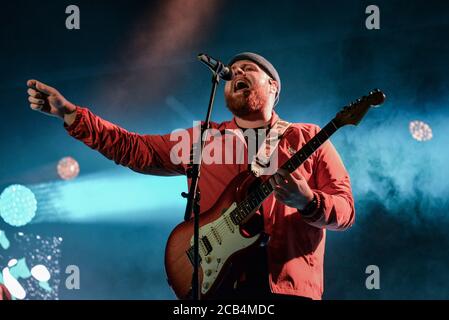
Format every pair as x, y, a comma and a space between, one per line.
296, 245
4, 293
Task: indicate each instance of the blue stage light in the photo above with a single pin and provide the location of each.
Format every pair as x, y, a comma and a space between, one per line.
17, 205
111, 196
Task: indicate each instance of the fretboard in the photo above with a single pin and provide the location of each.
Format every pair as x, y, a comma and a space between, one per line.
247, 207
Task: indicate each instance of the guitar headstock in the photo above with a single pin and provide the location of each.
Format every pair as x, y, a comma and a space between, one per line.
355, 111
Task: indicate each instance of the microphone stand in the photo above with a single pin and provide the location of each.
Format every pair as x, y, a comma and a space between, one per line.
193, 197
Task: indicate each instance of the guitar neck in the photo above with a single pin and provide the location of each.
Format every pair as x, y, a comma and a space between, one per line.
247, 207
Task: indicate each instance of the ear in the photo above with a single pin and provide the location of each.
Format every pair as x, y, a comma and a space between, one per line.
274, 85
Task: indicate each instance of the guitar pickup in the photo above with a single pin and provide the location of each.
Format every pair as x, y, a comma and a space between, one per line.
207, 245
204, 245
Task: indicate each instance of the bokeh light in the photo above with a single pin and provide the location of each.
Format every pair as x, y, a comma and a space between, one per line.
30, 267
17, 205
40, 272
420, 130
68, 168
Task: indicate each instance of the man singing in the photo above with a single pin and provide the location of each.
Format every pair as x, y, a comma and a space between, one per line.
315, 197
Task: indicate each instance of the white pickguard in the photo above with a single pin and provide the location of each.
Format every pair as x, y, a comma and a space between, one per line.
225, 239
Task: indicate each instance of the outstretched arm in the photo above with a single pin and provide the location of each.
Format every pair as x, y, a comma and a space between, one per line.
143, 153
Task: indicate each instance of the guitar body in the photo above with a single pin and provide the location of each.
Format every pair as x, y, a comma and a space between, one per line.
221, 263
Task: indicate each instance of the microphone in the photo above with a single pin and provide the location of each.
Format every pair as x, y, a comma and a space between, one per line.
216, 66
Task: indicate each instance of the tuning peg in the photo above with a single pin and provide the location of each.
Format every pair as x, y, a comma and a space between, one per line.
376, 97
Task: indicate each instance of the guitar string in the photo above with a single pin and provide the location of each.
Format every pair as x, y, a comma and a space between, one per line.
222, 225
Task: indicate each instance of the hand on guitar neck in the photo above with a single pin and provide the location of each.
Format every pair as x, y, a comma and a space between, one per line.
291, 189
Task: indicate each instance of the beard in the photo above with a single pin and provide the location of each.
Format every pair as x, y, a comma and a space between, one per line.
248, 104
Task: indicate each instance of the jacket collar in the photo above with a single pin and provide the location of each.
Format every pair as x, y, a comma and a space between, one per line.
273, 120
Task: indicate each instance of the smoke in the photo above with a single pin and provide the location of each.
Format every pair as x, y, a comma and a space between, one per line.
402, 199
387, 165
155, 56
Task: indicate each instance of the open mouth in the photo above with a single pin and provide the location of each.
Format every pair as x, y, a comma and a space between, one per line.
240, 85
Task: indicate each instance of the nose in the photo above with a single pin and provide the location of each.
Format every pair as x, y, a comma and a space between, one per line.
237, 70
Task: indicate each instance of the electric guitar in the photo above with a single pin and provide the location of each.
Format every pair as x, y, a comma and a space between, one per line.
224, 238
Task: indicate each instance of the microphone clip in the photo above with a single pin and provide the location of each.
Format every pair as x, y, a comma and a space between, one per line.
218, 67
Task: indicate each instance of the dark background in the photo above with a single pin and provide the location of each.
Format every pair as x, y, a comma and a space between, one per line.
134, 63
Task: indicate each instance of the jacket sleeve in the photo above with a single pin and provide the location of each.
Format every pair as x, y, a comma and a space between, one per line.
335, 203
148, 154
4, 293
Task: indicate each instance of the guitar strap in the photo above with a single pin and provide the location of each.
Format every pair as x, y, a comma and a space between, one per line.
255, 277
257, 267
261, 162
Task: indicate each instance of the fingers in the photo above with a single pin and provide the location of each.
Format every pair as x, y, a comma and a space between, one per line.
279, 191
279, 185
38, 92
44, 88
31, 83
284, 176
283, 182
284, 179
39, 86
35, 100
283, 186
296, 175
280, 180
35, 94
35, 106
282, 195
